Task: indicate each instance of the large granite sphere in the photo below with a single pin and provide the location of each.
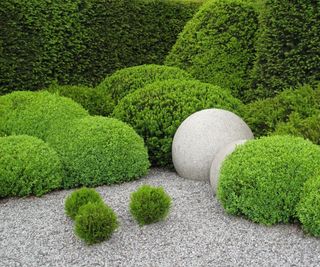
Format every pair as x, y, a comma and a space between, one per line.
199, 138
218, 160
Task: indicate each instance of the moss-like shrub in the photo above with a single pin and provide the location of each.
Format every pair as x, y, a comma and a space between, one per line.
263, 178
263, 116
99, 150
149, 204
127, 80
36, 114
217, 45
287, 46
95, 101
157, 111
28, 166
79, 198
95, 222
308, 128
308, 209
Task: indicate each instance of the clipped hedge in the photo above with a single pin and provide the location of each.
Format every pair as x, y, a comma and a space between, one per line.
157, 110
263, 116
36, 113
99, 150
263, 178
95, 101
127, 80
287, 46
81, 41
217, 45
28, 166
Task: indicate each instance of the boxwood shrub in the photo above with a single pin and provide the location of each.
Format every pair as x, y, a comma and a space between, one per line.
28, 166
36, 113
127, 80
263, 178
217, 44
94, 101
157, 111
99, 150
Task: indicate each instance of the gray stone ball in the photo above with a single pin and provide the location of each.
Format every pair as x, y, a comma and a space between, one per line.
218, 160
199, 138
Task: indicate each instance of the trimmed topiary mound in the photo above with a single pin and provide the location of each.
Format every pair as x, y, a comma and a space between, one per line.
36, 114
28, 166
79, 198
157, 110
217, 45
125, 81
95, 222
95, 101
308, 209
263, 178
99, 150
149, 204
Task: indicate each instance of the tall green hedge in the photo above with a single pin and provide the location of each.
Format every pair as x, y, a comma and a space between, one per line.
288, 52
81, 41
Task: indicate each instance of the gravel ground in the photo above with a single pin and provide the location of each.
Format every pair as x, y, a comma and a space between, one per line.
36, 232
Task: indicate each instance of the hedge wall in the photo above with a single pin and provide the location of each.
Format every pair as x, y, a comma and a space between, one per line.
81, 41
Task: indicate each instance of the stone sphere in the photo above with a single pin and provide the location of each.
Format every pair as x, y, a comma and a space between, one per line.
199, 138
218, 160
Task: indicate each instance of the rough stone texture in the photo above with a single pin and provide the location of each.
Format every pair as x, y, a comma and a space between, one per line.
218, 160
200, 137
36, 232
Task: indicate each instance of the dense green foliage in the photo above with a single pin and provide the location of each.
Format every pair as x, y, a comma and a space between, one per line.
79, 198
127, 80
157, 111
308, 209
36, 113
95, 222
263, 178
99, 150
95, 101
217, 45
81, 41
28, 166
287, 47
149, 204
263, 116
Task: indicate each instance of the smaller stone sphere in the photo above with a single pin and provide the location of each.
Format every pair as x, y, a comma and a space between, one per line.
218, 160
199, 138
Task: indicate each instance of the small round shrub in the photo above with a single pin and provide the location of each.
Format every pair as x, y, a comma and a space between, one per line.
28, 166
157, 111
127, 80
79, 198
95, 101
149, 204
99, 150
308, 209
263, 179
36, 113
95, 222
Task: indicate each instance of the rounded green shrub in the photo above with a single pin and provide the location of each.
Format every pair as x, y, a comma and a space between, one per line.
263, 178
125, 81
149, 204
157, 111
36, 113
217, 44
99, 150
79, 198
308, 209
95, 222
28, 166
95, 101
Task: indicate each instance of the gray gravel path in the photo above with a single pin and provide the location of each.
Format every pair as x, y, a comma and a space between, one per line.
35, 232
